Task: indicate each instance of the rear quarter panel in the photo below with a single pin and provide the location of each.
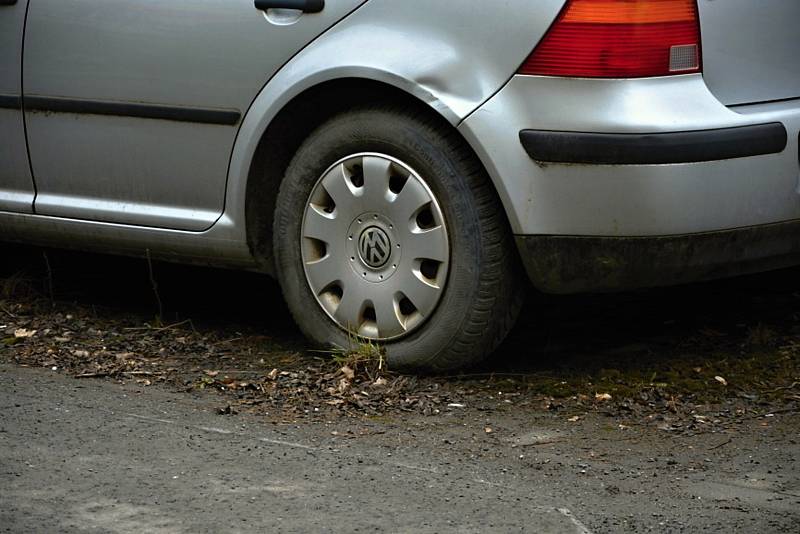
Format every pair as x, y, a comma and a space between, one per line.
452, 55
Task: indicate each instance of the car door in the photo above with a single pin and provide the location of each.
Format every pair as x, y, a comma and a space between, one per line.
16, 185
132, 106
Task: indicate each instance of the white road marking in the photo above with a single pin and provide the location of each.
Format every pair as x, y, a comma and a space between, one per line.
217, 430
580, 526
213, 429
415, 467
151, 419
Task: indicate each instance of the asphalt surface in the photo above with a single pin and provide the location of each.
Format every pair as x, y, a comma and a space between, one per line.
99, 456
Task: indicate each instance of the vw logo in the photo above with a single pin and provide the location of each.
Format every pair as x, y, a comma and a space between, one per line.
374, 247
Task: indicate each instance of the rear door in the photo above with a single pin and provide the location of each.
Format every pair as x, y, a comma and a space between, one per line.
132, 106
751, 49
16, 186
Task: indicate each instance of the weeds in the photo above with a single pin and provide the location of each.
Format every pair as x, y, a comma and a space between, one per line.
364, 356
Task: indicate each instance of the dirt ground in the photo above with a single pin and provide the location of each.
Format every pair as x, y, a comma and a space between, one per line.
668, 410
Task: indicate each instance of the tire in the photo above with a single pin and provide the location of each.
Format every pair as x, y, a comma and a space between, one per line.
479, 294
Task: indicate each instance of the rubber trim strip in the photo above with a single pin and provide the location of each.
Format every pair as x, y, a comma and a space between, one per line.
127, 109
10, 102
654, 148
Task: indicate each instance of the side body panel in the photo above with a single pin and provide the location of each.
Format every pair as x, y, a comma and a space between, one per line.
16, 186
454, 58
205, 55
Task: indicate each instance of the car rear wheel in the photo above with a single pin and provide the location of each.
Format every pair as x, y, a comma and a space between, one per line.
388, 229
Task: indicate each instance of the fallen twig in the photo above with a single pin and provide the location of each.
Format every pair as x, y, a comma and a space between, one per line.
50, 291
720, 444
227, 341
154, 286
791, 386
161, 329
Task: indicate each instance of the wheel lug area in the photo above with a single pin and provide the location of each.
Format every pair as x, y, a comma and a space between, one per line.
373, 246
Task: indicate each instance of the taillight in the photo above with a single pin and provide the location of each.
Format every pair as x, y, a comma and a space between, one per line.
619, 39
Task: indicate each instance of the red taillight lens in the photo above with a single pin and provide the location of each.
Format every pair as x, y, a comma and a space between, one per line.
619, 39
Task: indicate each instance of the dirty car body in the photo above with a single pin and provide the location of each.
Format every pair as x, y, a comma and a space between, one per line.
168, 129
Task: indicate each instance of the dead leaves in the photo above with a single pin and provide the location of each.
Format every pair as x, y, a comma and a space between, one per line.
90, 345
24, 333
347, 372
344, 388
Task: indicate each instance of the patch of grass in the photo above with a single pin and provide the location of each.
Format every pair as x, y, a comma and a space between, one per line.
364, 356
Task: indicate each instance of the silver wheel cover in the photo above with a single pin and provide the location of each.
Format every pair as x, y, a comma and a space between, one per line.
374, 246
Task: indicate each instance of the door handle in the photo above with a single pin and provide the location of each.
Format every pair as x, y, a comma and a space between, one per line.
306, 6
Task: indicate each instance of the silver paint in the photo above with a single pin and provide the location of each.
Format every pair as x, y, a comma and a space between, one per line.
213, 54
631, 200
16, 185
457, 57
751, 49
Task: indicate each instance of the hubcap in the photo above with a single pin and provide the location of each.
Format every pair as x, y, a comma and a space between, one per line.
375, 247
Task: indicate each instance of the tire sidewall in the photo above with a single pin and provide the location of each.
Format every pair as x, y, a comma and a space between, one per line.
434, 159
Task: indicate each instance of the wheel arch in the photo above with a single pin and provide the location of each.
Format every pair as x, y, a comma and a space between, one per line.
292, 124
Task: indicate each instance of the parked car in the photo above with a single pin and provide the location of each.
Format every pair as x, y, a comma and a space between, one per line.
400, 166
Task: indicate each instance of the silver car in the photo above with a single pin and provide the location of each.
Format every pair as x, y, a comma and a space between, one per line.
401, 165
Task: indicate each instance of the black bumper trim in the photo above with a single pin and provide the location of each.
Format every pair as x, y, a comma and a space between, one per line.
654, 148
579, 264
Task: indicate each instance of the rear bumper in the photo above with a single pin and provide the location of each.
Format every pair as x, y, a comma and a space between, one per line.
574, 264
639, 157
618, 184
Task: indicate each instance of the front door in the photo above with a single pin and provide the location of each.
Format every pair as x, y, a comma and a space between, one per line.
133, 106
16, 186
